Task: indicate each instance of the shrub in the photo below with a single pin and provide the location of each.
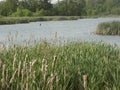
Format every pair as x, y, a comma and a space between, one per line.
115, 11
42, 12
22, 12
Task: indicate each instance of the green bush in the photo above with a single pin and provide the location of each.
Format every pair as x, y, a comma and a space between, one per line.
42, 12
109, 28
22, 12
115, 11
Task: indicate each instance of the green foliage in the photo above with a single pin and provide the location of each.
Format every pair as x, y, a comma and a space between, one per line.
115, 11
1, 16
42, 12
109, 28
5, 9
62, 8
22, 12
47, 66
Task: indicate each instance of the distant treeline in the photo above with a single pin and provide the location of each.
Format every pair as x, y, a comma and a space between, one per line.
61, 8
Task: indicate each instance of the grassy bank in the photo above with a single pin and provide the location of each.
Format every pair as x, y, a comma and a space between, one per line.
14, 20
72, 66
109, 28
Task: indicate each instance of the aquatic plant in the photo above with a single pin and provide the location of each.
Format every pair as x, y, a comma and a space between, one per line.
109, 28
70, 66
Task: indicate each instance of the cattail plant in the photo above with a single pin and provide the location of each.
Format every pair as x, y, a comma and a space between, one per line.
31, 66
14, 62
13, 77
1, 63
7, 73
44, 70
19, 68
27, 76
65, 75
22, 80
85, 81
54, 62
34, 75
3, 76
50, 82
57, 81
23, 72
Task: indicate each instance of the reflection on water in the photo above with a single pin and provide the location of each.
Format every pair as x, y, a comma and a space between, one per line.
81, 29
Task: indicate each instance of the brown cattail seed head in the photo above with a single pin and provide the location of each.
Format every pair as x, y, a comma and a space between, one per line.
0, 63
84, 77
55, 57
85, 81
3, 82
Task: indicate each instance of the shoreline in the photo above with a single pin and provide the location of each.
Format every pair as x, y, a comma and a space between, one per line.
19, 20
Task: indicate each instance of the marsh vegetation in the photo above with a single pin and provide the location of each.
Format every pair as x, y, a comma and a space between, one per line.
109, 28
70, 66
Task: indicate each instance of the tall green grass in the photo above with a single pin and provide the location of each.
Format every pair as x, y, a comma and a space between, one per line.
109, 28
71, 66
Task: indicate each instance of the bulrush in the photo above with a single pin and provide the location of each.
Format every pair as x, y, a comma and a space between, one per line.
22, 71
31, 65
69, 69
27, 75
34, 75
50, 82
33, 62
26, 57
14, 62
13, 76
85, 81
26, 88
0, 63
54, 61
64, 77
3, 76
3, 71
45, 73
3, 82
19, 68
57, 80
7, 75
44, 70
30, 70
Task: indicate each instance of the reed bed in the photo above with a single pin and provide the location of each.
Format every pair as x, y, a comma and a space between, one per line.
71, 66
109, 28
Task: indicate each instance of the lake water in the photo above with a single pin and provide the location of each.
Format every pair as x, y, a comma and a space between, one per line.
81, 29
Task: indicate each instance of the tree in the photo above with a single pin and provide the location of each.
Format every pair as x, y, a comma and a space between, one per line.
8, 7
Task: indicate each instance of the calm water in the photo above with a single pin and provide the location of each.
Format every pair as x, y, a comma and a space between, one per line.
81, 29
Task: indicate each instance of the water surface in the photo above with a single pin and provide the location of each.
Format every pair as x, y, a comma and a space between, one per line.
81, 29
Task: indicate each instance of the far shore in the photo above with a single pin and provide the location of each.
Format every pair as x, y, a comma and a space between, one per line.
17, 20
